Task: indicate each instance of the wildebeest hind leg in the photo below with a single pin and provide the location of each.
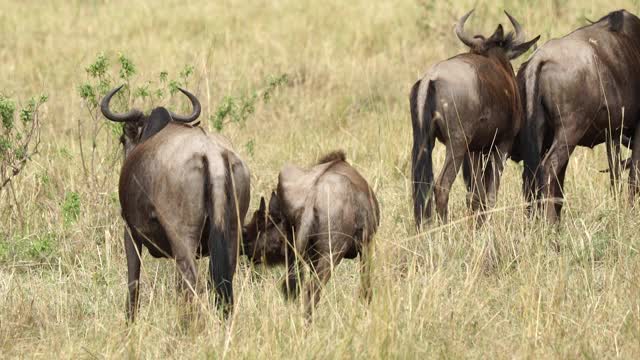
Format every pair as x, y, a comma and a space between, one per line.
452, 163
560, 190
133, 249
366, 255
613, 160
492, 175
474, 180
553, 164
634, 169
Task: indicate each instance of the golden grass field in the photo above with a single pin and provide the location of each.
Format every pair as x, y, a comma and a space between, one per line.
513, 289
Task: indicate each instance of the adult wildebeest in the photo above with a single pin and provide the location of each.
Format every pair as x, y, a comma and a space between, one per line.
471, 104
576, 90
183, 194
318, 216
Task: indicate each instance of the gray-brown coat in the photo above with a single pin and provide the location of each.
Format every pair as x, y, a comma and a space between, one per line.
183, 194
471, 104
578, 90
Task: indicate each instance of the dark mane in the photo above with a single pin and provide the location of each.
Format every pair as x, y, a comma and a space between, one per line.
505, 42
508, 40
337, 155
615, 20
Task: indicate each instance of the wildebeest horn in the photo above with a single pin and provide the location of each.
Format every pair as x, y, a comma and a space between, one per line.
104, 107
519, 34
469, 41
196, 109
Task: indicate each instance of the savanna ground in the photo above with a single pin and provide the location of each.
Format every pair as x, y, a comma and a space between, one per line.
338, 75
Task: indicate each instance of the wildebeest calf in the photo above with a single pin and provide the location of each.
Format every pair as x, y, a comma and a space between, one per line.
318, 216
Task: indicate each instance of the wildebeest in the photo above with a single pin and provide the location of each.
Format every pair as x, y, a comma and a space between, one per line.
471, 104
183, 194
317, 216
576, 90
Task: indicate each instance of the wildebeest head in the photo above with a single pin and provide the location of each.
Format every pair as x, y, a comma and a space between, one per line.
265, 236
138, 127
511, 44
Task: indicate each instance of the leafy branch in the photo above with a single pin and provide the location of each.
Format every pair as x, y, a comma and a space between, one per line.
102, 76
19, 137
238, 109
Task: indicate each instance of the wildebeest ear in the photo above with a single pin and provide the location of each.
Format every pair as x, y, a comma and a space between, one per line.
498, 35
274, 204
520, 49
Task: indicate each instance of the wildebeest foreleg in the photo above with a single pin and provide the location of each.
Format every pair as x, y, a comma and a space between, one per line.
133, 250
452, 163
291, 284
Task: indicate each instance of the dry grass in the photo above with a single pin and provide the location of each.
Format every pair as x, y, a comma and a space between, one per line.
504, 291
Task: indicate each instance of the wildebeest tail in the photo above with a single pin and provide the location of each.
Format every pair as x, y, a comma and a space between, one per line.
421, 163
218, 190
304, 230
527, 141
336, 155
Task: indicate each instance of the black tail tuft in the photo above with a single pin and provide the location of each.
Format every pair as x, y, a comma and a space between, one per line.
337, 155
219, 232
422, 166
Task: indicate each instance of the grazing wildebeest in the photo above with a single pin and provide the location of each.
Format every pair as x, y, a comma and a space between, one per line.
183, 194
471, 104
318, 216
577, 91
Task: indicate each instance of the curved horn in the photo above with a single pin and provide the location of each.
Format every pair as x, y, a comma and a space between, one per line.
196, 109
469, 41
104, 107
519, 34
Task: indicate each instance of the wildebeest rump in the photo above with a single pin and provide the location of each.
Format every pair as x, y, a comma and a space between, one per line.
576, 90
183, 194
471, 104
318, 216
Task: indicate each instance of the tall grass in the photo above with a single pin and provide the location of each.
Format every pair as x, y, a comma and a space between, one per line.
515, 288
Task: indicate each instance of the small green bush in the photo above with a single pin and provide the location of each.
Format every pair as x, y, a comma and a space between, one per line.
19, 135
